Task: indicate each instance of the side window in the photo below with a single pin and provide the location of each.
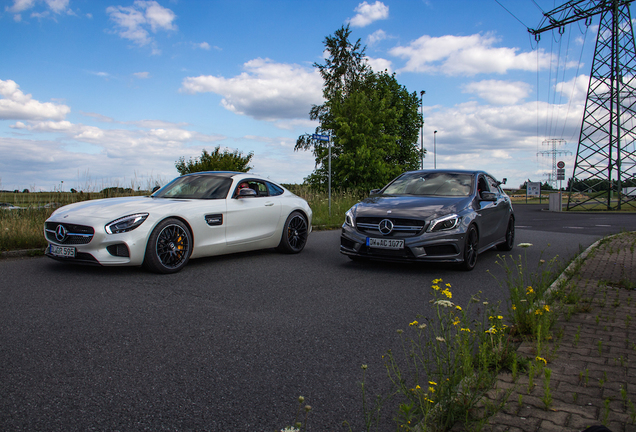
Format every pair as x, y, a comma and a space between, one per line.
494, 185
482, 185
260, 188
274, 190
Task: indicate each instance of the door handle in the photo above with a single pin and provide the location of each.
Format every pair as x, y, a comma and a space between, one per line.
269, 204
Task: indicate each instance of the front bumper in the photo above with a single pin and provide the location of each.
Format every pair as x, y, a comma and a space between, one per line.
445, 246
125, 249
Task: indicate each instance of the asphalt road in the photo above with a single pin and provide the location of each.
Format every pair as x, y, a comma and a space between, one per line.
229, 343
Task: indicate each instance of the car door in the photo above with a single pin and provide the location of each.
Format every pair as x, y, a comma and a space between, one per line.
502, 209
487, 213
252, 218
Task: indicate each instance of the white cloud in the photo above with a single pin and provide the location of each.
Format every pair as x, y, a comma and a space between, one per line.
266, 91
368, 13
142, 75
55, 6
575, 89
499, 92
15, 105
380, 64
376, 36
466, 55
133, 22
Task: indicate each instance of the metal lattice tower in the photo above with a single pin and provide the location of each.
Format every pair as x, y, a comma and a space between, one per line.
606, 153
553, 152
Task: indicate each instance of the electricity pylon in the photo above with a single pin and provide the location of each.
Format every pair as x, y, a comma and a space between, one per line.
553, 152
606, 154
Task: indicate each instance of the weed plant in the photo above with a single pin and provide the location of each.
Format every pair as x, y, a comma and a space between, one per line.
447, 362
529, 301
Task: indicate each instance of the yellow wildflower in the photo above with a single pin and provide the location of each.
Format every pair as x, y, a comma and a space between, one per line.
547, 308
436, 281
447, 293
431, 389
541, 359
456, 321
414, 323
459, 308
529, 290
432, 383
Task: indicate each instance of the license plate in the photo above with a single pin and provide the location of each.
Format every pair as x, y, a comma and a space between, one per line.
385, 243
62, 251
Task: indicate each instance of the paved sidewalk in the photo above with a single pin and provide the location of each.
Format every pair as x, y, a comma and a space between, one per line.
593, 363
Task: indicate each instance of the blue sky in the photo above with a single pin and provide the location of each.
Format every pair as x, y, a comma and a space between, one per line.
100, 93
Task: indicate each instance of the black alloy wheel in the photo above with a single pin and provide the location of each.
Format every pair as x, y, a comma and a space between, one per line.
295, 233
169, 247
470, 248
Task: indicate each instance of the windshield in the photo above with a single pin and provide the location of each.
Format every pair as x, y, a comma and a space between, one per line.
431, 184
196, 187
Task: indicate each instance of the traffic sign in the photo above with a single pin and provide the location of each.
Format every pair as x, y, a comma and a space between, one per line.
560, 164
320, 137
560, 174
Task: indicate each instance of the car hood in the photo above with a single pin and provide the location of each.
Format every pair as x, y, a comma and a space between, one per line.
113, 208
407, 207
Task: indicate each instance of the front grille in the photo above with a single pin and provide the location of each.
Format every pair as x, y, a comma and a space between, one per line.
75, 234
441, 250
118, 250
401, 227
389, 253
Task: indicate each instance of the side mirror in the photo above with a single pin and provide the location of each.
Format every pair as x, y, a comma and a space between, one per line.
247, 192
488, 196
155, 189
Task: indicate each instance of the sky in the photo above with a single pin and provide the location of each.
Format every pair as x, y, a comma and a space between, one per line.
101, 93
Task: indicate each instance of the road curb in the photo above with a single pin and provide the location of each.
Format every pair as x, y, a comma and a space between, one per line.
22, 253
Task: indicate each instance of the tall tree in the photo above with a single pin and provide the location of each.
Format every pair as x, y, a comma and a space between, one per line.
373, 120
215, 161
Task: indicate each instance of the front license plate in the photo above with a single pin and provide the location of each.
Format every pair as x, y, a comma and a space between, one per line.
385, 243
62, 251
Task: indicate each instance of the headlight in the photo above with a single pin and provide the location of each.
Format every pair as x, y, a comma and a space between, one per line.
444, 223
349, 220
126, 223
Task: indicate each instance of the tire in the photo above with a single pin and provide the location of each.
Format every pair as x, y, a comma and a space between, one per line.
169, 247
295, 233
510, 237
471, 245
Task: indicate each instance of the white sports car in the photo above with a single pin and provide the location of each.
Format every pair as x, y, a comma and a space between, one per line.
195, 215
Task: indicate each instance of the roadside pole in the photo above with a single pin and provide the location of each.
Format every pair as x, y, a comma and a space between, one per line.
327, 138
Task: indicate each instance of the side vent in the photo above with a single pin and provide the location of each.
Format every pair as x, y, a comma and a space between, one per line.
214, 219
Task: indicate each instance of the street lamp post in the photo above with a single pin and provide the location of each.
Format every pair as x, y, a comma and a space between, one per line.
435, 149
422, 93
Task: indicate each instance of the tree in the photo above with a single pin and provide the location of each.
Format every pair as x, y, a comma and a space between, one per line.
215, 161
373, 121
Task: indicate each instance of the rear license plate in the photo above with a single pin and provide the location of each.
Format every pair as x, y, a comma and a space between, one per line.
385, 243
62, 251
